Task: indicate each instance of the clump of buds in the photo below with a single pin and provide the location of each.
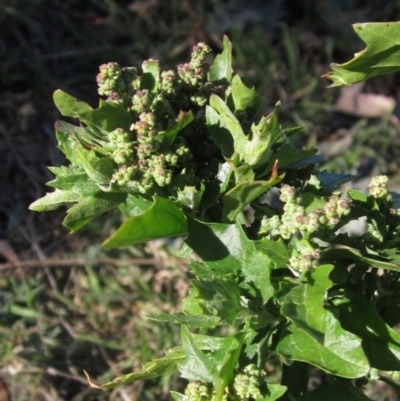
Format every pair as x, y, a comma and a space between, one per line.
378, 188
145, 160
295, 221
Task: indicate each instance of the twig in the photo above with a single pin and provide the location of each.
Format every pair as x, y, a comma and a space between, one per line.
26, 264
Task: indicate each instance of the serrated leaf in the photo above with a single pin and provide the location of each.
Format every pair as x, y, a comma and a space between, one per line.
218, 363
196, 365
184, 119
54, 200
339, 354
98, 169
228, 121
221, 70
257, 269
381, 55
258, 149
89, 208
244, 98
108, 116
222, 246
162, 219
243, 194
157, 367
379, 341
77, 183
191, 197
134, 205
277, 251
302, 304
151, 75
219, 298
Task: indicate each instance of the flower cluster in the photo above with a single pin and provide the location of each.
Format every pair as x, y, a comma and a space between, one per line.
294, 219
145, 160
246, 386
378, 188
117, 83
247, 383
199, 391
296, 222
304, 257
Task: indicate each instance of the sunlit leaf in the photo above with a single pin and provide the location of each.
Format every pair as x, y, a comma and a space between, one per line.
381, 55
162, 219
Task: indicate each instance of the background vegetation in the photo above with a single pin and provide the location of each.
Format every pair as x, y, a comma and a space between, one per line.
65, 304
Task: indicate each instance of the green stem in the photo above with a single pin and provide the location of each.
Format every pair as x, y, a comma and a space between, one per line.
220, 391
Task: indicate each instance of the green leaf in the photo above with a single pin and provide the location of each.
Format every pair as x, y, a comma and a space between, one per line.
335, 391
199, 321
277, 251
108, 116
258, 150
134, 205
89, 208
54, 200
75, 182
98, 168
220, 360
339, 252
178, 396
302, 304
220, 135
157, 367
257, 269
196, 365
275, 391
219, 298
151, 75
228, 121
286, 155
381, 55
222, 246
380, 342
182, 121
363, 200
162, 219
245, 98
191, 197
221, 70
330, 181
339, 354
242, 194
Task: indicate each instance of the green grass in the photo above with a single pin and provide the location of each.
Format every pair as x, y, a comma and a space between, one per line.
92, 319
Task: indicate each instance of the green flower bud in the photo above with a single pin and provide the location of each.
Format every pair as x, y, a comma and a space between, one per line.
199, 391
288, 194
141, 101
378, 187
108, 79
247, 384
